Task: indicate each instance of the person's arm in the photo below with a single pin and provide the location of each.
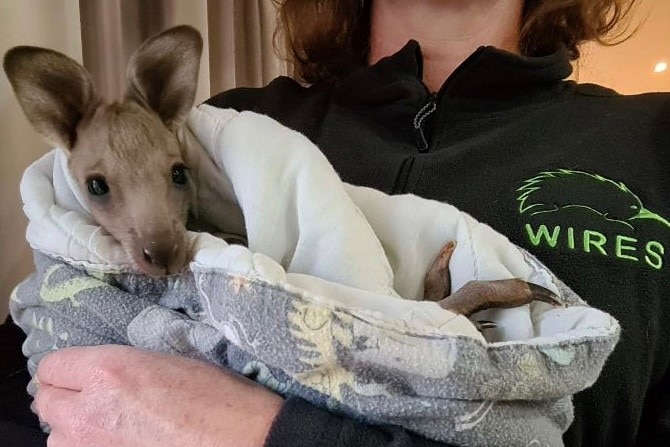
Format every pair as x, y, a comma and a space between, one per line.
60, 306
124, 396
300, 424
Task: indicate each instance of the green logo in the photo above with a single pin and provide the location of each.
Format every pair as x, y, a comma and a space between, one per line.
590, 213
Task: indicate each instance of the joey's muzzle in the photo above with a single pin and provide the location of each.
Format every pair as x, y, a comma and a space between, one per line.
162, 253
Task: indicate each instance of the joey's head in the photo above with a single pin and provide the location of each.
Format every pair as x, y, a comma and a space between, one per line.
125, 156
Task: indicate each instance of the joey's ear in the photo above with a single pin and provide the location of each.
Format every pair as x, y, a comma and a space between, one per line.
54, 91
163, 73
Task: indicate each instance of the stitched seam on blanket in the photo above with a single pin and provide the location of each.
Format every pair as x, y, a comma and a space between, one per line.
88, 265
73, 236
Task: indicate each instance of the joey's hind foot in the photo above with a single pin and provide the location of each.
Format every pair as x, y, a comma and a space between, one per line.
475, 296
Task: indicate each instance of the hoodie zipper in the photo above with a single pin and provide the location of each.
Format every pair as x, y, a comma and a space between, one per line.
419, 120
430, 106
422, 143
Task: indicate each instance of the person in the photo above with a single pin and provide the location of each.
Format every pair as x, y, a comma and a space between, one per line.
462, 101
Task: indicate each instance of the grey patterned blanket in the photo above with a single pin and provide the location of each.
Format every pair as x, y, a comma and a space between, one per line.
324, 303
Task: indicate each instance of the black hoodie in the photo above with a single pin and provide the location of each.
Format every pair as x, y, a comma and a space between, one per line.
577, 174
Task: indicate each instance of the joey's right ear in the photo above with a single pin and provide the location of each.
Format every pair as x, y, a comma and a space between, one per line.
54, 91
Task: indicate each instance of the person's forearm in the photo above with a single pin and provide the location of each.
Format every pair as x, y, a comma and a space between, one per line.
300, 424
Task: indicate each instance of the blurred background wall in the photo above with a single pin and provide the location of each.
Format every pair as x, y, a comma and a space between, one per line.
629, 68
50, 23
238, 52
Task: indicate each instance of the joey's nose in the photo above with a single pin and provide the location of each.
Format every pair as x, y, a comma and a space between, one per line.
159, 254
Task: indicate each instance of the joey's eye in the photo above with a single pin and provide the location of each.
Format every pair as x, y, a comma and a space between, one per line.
179, 175
97, 186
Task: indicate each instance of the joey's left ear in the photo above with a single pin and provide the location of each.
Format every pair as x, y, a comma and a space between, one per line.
163, 73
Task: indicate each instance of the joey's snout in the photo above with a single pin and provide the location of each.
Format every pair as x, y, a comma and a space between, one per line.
159, 254
162, 253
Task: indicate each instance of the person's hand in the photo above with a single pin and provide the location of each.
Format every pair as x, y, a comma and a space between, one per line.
121, 396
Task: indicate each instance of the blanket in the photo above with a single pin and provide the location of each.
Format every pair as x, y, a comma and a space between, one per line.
325, 300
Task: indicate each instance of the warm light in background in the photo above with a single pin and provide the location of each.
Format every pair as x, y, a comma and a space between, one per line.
640, 64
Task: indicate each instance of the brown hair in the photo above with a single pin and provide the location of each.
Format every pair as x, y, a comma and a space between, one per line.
325, 38
549, 23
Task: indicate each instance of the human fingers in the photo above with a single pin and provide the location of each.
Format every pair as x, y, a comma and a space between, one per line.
63, 369
57, 439
55, 405
73, 368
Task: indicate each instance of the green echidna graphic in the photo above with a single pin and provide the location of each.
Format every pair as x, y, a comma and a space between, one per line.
561, 189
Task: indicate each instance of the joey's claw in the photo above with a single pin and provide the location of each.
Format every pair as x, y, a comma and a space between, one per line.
485, 324
539, 293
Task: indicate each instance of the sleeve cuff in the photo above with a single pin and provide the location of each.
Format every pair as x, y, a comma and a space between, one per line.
300, 424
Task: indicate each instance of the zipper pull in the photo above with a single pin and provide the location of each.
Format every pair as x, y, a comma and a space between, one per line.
420, 118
